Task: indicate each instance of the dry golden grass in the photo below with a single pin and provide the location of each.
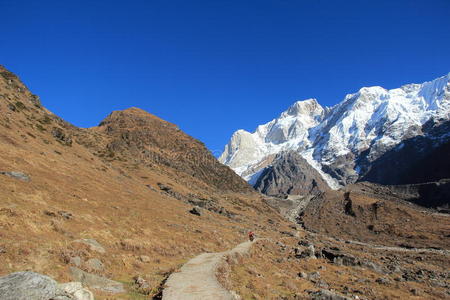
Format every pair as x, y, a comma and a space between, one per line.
271, 272
109, 199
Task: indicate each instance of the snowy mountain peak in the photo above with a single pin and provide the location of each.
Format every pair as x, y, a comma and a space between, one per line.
370, 122
309, 107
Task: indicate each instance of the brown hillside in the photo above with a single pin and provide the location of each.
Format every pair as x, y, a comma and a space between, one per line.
128, 183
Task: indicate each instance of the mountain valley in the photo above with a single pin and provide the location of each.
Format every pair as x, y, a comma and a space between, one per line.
349, 202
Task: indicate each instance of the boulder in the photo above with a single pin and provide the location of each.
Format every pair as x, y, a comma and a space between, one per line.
94, 264
76, 261
34, 286
27, 285
144, 259
75, 291
97, 282
92, 244
17, 175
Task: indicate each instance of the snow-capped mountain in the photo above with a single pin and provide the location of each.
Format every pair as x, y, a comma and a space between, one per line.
333, 140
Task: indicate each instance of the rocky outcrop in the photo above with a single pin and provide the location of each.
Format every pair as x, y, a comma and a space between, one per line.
97, 282
30, 285
420, 159
290, 174
429, 194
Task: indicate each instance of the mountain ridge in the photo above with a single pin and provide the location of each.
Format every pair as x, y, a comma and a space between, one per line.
372, 120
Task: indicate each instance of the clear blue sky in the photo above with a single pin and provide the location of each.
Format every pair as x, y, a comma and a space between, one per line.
214, 66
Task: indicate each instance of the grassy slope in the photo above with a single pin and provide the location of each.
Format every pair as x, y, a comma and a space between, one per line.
108, 197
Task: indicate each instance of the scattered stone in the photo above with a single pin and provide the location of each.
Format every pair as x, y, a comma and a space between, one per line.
66, 215
307, 253
287, 233
314, 276
76, 261
164, 187
94, 264
142, 284
61, 137
144, 258
196, 211
326, 295
415, 292
2, 250
322, 284
382, 280
150, 187
97, 282
92, 244
304, 243
302, 275
12, 107
17, 175
49, 213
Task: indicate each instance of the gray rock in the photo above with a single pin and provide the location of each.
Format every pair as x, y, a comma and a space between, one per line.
61, 136
92, 244
144, 258
314, 276
307, 253
97, 282
95, 264
196, 211
26, 286
327, 295
66, 215
382, 280
76, 261
75, 291
33, 286
17, 175
141, 283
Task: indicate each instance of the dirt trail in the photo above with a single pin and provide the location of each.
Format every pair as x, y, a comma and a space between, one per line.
197, 278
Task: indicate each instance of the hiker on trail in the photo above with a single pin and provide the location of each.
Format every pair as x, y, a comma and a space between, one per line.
251, 236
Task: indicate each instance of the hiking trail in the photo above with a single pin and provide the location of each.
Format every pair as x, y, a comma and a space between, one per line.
197, 279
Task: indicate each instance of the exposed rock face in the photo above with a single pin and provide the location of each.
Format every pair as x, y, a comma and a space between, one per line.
430, 194
424, 158
290, 174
